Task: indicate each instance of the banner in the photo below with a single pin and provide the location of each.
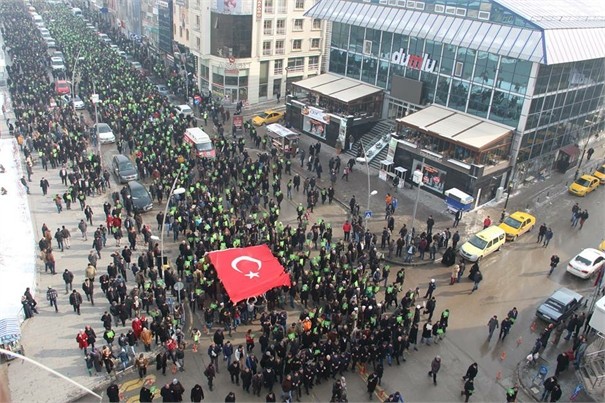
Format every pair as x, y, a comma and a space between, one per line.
248, 272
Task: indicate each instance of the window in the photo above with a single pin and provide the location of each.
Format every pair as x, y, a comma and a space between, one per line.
484, 15
314, 63
299, 5
279, 47
197, 23
198, 43
269, 6
297, 44
281, 7
296, 64
278, 67
461, 12
448, 10
315, 43
439, 8
280, 27
267, 48
268, 27
458, 69
298, 25
316, 23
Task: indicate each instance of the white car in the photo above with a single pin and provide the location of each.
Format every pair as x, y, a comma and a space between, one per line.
104, 133
184, 109
50, 42
76, 101
56, 63
586, 263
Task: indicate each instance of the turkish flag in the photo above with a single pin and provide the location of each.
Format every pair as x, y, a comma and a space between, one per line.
248, 272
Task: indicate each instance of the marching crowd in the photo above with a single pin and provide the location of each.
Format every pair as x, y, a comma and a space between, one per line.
352, 310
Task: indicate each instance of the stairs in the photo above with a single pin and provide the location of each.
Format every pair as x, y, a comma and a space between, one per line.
370, 138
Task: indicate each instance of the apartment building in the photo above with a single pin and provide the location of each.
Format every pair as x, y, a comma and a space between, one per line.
251, 50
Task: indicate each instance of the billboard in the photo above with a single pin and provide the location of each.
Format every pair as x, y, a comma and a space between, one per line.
315, 121
238, 7
433, 178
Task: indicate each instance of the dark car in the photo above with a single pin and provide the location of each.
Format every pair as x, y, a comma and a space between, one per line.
141, 198
559, 305
123, 169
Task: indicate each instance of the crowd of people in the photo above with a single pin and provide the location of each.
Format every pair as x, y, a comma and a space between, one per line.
353, 311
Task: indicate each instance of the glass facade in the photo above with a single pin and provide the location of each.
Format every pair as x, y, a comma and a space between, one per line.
481, 83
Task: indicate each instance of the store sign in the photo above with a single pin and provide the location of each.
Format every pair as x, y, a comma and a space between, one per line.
259, 9
432, 177
231, 66
424, 63
316, 113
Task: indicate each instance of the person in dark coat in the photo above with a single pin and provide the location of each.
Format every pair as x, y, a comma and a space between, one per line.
562, 363
556, 393
177, 390
197, 393
372, 382
230, 397
469, 388
471, 372
145, 395
548, 384
166, 393
113, 393
161, 361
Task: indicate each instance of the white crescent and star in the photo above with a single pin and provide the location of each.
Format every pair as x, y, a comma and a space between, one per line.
251, 274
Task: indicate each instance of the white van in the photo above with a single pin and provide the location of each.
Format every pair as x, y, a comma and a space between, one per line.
201, 141
76, 12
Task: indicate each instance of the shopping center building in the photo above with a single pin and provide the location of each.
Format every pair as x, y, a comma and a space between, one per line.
533, 69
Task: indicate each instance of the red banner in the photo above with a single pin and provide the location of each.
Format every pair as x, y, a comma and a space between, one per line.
248, 272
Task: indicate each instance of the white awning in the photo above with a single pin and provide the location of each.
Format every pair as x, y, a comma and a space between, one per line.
340, 88
280, 130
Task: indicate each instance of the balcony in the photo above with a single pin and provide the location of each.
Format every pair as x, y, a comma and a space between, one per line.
295, 69
267, 52
314, 66
268, 9
268, 31
280, 31
279, 51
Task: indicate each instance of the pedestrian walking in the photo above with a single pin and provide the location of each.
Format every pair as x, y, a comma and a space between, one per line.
548, 384
541, 232
210, 374
197, 393
44, 185
68, 278
372, 383
51, 297
469, 388
82, 226
141, 364
75, 299
511, 394
477, 278
583, 218
435, 367
492, 325
554, 261
471, 372
548, 236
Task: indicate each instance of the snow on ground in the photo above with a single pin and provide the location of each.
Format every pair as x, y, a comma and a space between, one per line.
17, 244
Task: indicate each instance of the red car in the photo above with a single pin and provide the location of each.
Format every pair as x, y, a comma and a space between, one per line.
62, 87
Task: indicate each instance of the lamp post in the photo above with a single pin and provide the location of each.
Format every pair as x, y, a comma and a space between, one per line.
370, 192
95, 100
173, 191
73, 75
583, 150
417, 179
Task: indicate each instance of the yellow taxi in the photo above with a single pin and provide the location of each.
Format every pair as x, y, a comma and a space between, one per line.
518, 223
584, 185
267, 117
600, 173
482, 244
602, 246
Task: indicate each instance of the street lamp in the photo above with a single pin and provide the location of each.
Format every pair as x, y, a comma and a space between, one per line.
73, 75
173, 191
417, 179
95, 100
584, 150
367, 162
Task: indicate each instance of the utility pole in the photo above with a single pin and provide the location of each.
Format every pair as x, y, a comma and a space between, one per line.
417, 179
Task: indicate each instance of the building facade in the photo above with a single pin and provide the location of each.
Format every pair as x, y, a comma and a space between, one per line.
536, 66
250, 50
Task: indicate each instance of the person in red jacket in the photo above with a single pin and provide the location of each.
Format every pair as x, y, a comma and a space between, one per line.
82, 339
346, 228
487, 222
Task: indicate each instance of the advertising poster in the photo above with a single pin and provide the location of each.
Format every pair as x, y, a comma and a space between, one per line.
432, 177
315, 121
240, 7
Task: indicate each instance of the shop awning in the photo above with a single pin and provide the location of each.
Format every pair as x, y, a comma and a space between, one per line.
571, 149
461, 128
339, 88
280, 130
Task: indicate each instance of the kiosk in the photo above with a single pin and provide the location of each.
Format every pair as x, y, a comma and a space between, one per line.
401, 174
283, 138
458, 200
386, 170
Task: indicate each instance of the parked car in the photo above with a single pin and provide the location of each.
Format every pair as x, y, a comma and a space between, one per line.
586, 263
184, 109
584, 185
62, 87
267, 117
518, 223
600, 173
75, 101
104, 133
141, 198
559, 305
56, 63
162, 89
123, 169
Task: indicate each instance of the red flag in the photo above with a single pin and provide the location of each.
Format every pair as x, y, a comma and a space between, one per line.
248, 272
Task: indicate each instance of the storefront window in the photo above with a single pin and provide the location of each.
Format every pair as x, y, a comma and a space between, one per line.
428, 89
385, 45
231, 81
443, 89
447, 60
338, 61
400, 42
478, 103
354, 66
368, 73
514, 75
506, 108
485, 69
373, 36
356, 39
340, 35
433, 49
466, 56
217, 78
383, 73
458, 95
